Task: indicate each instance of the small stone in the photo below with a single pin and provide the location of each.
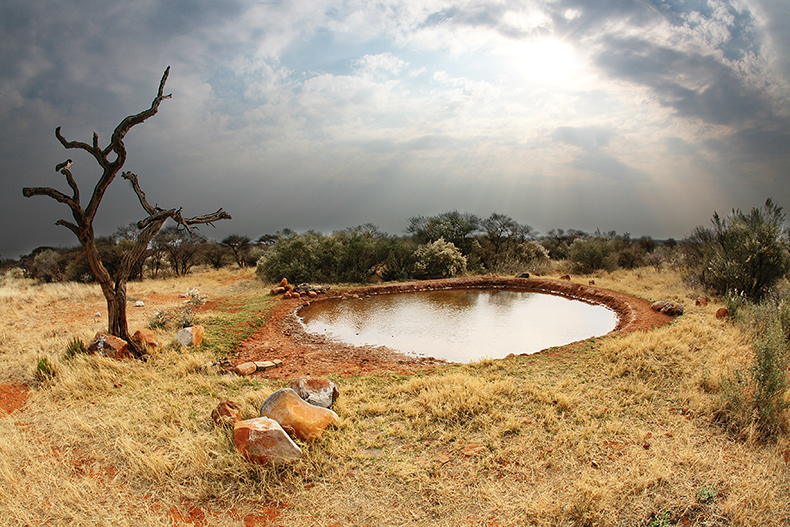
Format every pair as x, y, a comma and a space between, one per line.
565, 277
722, 312
301, 419
246, 368
139, 303
109, 346
701, 302
146, 338
316, 391
473, 449
284, 282
277, 291
522, 275
191, 336
263, 441
264, 365
226, 413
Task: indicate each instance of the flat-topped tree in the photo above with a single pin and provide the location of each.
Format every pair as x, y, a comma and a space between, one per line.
114, 288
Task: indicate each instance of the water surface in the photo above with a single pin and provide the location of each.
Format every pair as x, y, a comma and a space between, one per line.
460, 325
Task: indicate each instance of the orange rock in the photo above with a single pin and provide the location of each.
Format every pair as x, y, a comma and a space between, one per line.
301, 419
246, 368
284, 282
109, 346
701, 302
722, 312
226, 413
146, 338
565, 277
312, 294
262, 440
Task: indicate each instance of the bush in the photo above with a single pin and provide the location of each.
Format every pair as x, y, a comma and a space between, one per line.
744, 254
590, 254
754, 400
307, 257
439, 259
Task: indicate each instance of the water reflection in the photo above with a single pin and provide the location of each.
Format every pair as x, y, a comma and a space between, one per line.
460, 325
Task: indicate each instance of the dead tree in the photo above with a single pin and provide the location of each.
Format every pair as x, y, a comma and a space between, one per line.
114, 288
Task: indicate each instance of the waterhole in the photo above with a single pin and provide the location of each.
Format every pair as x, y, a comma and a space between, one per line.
459, 325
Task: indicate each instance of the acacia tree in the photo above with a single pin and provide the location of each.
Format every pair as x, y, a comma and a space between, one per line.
114, 287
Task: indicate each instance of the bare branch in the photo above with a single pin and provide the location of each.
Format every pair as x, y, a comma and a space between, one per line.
52, 193
73, 184
140, 194
208, 218
70, 226
92, 150
122, 129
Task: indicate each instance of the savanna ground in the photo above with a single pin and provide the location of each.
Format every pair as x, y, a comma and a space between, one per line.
617, 430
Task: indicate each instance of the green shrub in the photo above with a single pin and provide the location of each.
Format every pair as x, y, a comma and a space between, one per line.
744, 253
439, 259
45, 370
590, 254
75, 347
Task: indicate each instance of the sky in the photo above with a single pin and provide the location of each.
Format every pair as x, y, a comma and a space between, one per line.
638, 116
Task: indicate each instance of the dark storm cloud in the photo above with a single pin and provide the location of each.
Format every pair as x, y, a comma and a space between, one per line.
722, 96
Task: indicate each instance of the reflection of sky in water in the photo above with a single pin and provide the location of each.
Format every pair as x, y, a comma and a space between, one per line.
460, 325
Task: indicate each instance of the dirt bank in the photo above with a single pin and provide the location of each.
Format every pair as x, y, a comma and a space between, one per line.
283, 336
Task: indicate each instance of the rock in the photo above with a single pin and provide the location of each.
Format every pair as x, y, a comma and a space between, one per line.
701, 302
139, 303
287, 295
226, 413
284, 282
592, 282
722, 312
298, 418
146, 338
312, 294
565, 277
191, 336
109, 346
277, 291
246, 368
668, 308
672, 309
268, 364
522, 275
262, 440
316, 391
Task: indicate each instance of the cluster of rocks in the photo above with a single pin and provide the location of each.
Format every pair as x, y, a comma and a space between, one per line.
668, 308
117, 348
290, 291
300, 412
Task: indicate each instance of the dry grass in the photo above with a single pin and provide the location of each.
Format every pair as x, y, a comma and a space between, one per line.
617, 431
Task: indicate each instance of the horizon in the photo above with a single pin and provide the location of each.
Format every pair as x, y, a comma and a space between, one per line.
640, 117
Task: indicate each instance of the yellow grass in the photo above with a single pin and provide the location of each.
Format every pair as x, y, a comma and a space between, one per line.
617, 431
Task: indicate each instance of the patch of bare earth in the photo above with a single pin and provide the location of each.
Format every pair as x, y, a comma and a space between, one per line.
283, 336
13, 397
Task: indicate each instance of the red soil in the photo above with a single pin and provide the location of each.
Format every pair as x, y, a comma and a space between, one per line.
283, 337
12, 397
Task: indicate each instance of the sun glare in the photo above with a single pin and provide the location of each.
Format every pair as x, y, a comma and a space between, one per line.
546, 60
